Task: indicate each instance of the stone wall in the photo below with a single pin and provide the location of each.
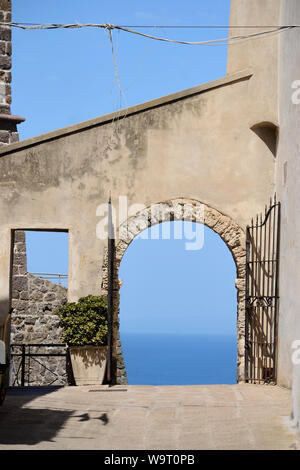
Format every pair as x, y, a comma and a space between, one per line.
8, 123
33, 319
5, 57
34, 300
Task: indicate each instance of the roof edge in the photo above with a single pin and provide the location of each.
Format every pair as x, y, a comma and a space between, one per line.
74, 128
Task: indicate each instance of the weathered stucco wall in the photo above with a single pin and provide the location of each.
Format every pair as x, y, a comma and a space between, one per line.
199, 147
260, 53
288, 177
196, 145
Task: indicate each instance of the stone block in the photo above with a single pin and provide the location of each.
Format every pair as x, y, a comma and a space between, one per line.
19, 304
49, 297
17, 321
15, 294
24, 295
8, 16
5, 5
160, 213
19, 247
8, 49
4, 109
5, 33
36, 295
4, 137
19, 236
14, 137
20, 259
22, 270
20, 283
19, 337
29, 320
5, 76
3, 46
32, 308
15, 270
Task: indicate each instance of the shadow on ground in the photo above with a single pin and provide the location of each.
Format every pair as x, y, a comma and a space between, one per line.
28, 426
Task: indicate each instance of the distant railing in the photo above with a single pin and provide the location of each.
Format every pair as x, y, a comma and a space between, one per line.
61, 278
20, 372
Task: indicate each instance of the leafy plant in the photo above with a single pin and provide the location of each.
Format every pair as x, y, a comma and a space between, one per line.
84, 322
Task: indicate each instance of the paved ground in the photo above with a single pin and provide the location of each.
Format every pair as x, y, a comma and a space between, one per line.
146, 417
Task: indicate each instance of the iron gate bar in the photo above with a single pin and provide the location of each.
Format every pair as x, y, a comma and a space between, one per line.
246, 313
23, 367
262, 295
37, 355
277, 285
48, 345
111, 250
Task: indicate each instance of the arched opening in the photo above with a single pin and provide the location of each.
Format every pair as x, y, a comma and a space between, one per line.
178, 307
39, 282
177, 209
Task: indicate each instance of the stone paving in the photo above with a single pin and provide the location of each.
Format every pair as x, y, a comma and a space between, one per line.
148, 417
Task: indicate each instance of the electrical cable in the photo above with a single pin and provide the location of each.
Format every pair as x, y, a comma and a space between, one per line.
109, 27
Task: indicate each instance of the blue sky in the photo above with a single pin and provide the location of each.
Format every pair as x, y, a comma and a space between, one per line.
168, 289
47, 252
62, 77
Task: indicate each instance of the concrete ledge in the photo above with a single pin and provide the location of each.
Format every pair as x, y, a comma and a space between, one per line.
220, 82
12, 118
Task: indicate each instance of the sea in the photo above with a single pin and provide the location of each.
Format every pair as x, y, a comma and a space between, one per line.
174, 359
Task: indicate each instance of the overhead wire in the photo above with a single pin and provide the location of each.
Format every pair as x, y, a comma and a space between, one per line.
109, 27
264, 31
21, 24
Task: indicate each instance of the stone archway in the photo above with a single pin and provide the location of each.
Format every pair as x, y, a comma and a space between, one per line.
230, 232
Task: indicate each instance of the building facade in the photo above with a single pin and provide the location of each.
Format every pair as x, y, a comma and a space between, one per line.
229, 145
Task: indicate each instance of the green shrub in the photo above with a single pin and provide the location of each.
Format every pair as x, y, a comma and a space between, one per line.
84, 322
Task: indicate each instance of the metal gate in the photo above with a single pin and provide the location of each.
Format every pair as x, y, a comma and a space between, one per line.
262, 296
24, 358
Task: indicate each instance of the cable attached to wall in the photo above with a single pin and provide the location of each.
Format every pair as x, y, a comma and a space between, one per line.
109, 27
